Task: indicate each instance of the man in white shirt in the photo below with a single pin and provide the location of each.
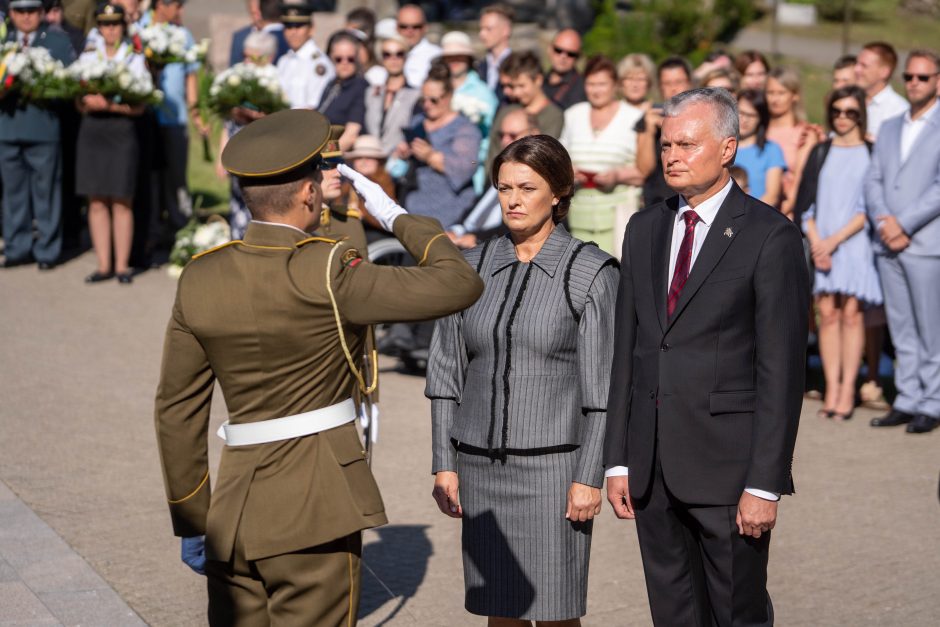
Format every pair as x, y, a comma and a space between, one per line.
305, 70
495, 31
902, 194
413, 26
874, 68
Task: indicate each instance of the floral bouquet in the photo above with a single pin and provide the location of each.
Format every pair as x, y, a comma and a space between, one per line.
114, 81
472, 108
249, 86
167, 43
34, 74
195, 238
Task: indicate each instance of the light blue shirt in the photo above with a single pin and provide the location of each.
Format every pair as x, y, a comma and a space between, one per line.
173, 111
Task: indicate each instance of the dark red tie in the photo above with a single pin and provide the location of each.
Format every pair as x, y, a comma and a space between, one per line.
683, 262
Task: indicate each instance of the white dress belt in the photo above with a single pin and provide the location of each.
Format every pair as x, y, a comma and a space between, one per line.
288, 427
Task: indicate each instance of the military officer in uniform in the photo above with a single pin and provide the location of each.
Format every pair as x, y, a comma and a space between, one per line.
277, 319
304, 70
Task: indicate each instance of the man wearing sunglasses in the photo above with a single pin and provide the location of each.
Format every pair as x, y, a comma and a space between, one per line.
903, 198
413, 26
30, 153
874, 67
304, 70
563, 83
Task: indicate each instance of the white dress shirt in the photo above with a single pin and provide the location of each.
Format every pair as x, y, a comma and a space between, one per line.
886, 104
492, 68
706, 212
911, 130
304, 74
418, 62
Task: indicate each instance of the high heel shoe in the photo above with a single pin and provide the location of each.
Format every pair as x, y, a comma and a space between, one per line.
825, 413
98, 277
840, 417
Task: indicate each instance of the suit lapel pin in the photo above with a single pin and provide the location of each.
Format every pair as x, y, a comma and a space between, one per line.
728, 232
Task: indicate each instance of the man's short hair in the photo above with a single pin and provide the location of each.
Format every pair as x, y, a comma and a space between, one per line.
270, 10
885, 53
674, 63
724, 105
845, 61
924, 53
500, 9
270, 197
531, 121
518, 63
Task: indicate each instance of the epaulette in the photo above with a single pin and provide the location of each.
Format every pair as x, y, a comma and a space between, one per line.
219, 247
325, 240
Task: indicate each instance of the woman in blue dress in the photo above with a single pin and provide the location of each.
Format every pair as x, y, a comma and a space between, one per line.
761, 158
839, 234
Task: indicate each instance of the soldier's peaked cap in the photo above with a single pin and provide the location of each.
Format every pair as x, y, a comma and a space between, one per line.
277, 144
296, 12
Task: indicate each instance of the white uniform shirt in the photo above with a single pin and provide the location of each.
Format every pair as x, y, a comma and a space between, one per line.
304, 74
886, 104
419, 62
125, 55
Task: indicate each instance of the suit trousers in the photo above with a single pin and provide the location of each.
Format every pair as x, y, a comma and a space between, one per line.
699, 570
170, 191
911, 285
32, 191
315, 586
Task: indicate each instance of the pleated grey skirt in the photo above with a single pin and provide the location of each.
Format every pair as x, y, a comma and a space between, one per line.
521, 557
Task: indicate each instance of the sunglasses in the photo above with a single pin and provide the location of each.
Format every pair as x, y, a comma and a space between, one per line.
852, 114
398, 54
923, 78
343, 59
331, 163
513, 136
568, 53
434, 100
402, 26
256, 58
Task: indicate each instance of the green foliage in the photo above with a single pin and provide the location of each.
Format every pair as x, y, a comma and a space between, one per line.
663, 28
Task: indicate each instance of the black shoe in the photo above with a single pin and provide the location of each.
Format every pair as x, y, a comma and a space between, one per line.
45, 266
97, 277
125, 278
923, 423
893, 418
840, 417
12, 263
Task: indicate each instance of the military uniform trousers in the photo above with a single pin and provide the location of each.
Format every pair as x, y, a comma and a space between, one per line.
32, 190
315, 586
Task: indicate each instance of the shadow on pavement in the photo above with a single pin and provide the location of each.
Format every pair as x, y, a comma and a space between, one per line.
394, 567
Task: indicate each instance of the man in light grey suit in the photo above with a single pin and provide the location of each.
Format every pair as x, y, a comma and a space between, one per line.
903, 196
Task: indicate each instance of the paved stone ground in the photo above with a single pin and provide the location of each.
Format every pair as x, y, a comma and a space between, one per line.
858, 545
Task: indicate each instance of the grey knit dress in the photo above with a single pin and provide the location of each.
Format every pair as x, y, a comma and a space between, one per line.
518, 384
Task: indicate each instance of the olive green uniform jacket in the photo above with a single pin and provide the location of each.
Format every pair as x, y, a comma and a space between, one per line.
257, 316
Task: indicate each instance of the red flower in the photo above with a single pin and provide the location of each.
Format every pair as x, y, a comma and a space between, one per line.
138, 44
8, 82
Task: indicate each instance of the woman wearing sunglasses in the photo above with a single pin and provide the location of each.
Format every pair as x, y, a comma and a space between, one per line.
389, 106
836, 225
344, 97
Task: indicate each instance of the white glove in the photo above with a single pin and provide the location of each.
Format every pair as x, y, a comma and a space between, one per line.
367, 418
379, 205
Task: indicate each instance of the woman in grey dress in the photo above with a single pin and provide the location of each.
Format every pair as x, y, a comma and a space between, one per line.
518, 384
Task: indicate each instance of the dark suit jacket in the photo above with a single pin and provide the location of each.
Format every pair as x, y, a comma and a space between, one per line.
237, 51
726, 371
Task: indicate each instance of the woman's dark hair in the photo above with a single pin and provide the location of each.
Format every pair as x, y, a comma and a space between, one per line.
340, 36
757, 100
748, 57
850, 91
440, 73
549, 159
600, 63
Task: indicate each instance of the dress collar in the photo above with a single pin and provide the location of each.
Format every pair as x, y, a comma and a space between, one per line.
273, 234
547, 259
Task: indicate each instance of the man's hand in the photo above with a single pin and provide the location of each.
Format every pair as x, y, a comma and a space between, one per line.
584, 502
446, 485
755, 515
618, 495
889, 228
899, 243
380, 206
193, 553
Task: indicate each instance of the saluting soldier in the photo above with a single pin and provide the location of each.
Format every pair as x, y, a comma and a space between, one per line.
277, 319
304, 70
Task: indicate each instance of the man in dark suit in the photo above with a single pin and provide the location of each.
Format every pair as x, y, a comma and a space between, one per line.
707, 377
266, 17
30, 155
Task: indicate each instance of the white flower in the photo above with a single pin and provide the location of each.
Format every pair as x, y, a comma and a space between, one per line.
234, 80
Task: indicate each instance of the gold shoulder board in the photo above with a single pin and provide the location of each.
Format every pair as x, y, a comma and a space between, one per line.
219, 247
